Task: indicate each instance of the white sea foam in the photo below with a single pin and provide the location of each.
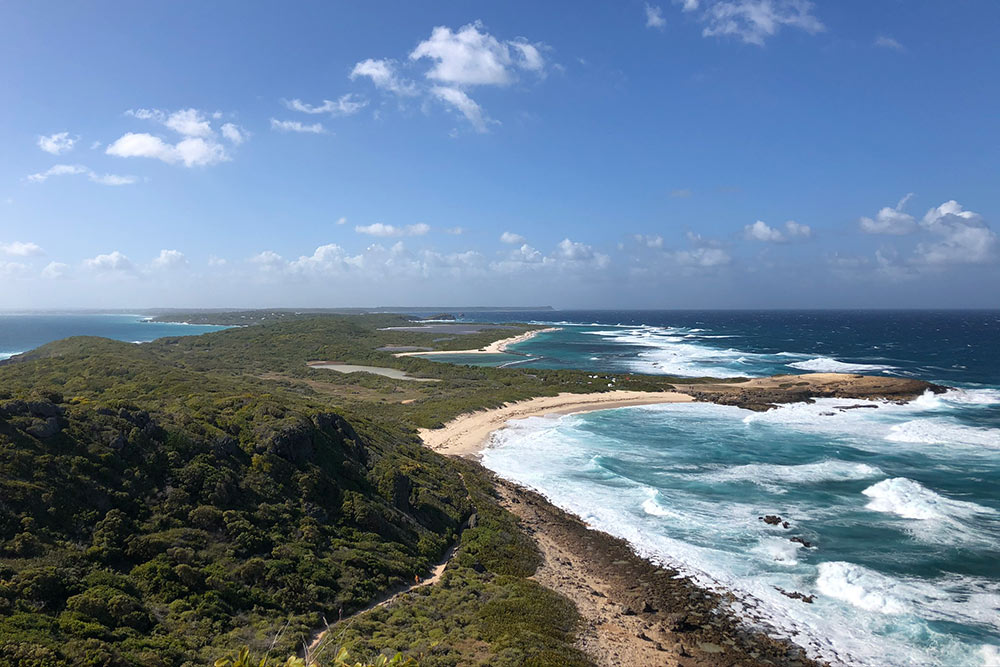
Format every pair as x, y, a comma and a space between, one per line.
863, 616
941, 431
828, 365
768, 474
8, 355
911, 500
861, 587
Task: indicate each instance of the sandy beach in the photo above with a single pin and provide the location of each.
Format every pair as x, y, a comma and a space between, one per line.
496, 347
465, 435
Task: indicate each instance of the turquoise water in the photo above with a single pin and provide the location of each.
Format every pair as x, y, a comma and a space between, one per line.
23, 332
900, 503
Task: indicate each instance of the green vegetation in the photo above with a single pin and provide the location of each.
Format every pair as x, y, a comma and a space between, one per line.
163, 504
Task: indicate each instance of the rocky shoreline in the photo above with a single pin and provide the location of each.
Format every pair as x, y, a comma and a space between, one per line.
762, 394
634, 612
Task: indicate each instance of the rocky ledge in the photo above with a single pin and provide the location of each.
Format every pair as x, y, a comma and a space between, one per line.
762, 394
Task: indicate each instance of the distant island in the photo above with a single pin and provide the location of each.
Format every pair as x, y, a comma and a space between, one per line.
174, 502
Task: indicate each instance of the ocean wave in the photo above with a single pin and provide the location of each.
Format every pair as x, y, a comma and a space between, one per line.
860, 587
768, 474
778, 550
912, 500
941, 431
829, 365
8, 355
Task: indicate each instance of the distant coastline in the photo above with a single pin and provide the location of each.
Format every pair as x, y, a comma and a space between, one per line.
496, 347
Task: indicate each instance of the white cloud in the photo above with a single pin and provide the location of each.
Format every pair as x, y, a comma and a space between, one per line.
890, 220
577, 252
269, 261
57, 143
471, 57
296, 126
965, 237
654, 17
753, 21
345, 105
233, 133
342, 220
383, 75
886, 42
190, 123
21, 249
381, 229
688, 5
13, 269
76, 169
193, 151
55, 271
650, 241
706, 257
465, 105
113, 262
112, 179
511, 237
198, 146
216, 261
169, 260
761, 231
455, 231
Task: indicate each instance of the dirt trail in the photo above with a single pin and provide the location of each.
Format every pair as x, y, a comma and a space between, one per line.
314, 647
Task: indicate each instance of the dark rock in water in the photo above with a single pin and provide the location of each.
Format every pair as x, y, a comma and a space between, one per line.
771, 519
795, 595
784, 524
806, 543
855, 407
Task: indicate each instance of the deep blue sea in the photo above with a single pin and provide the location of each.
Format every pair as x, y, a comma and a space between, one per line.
900, 504
23, 332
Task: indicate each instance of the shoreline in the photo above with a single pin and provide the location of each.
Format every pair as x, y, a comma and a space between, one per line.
496, 347
467, 434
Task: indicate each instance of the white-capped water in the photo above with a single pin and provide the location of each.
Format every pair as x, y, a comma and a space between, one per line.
686, 485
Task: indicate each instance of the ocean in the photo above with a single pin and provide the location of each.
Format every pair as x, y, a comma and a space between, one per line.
20, 332
899, 504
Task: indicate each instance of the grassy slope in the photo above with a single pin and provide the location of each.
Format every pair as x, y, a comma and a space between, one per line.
163, 503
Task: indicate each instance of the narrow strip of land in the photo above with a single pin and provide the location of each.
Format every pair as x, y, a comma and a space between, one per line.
496, 347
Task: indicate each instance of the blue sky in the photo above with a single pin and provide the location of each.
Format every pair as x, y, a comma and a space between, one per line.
710, 153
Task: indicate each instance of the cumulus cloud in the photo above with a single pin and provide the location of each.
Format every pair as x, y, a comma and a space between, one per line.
192, 152
296, 126
170, 260
890, 220
21, 249
455, 231
464, 105
654, 17
761, 231
754, 21
886, 42
511, 237
965, 238
55, 271
113, 262
471, 56
345, 105
383, 74
567, 256
198, 146
381, 229
13, 269
649, 241
233, 133
57, 143
77, 169
706, 257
